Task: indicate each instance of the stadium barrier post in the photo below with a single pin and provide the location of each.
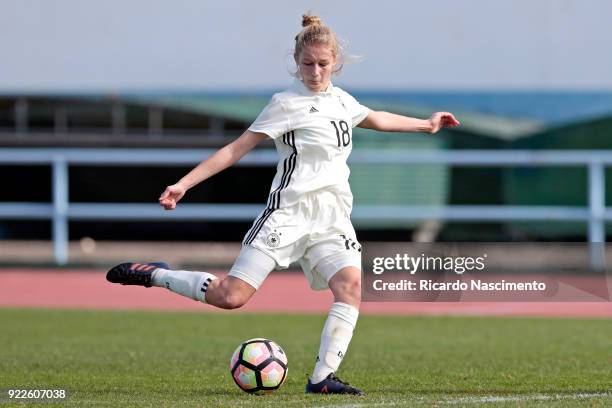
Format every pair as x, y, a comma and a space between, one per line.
60, 210
597, 207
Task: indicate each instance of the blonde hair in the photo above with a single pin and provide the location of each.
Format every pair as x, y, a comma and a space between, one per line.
315, 32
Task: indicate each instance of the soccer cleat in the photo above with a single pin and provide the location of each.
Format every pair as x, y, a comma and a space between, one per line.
332, 385
134, 273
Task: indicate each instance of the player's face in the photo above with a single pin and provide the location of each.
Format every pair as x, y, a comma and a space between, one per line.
316, 64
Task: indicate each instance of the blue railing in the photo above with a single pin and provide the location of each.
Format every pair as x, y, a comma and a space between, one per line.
61, 210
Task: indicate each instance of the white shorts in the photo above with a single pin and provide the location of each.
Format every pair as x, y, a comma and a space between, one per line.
316, 232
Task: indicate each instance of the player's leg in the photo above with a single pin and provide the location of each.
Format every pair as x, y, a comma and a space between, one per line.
259, 256
336, 264
249, 271
337, 333
346, 286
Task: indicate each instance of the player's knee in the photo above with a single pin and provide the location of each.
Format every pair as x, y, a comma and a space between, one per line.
232, 301
348, 289
230, 293
354, 288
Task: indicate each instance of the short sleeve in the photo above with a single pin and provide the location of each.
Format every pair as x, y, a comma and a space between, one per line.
273, 120
357, 111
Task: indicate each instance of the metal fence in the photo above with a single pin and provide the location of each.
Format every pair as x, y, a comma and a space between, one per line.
60, 211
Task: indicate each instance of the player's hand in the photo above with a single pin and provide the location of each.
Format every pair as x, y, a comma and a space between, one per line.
171, 196
440, 120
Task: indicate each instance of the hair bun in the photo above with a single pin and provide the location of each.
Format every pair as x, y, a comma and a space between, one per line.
308, 20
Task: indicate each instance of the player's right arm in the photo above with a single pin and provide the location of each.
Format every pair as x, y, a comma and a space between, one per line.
222, 159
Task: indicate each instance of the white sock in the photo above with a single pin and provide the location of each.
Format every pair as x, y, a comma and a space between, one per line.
335, 339
186, 283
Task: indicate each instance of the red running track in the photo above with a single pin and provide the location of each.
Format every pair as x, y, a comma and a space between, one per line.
281, 292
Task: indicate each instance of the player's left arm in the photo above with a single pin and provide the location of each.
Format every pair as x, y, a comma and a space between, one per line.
390, 122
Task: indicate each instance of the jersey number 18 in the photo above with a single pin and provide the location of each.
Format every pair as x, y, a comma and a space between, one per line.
342, 133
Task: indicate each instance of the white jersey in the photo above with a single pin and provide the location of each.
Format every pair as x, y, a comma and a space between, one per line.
312, 132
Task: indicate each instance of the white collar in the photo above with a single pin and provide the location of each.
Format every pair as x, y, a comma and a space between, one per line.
301, 88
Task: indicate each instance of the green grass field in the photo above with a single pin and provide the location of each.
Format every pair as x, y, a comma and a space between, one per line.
181, 359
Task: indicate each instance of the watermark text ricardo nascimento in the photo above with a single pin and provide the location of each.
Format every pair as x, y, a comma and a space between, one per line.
449, 264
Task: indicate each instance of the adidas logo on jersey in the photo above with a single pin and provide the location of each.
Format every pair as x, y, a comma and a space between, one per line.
313, 110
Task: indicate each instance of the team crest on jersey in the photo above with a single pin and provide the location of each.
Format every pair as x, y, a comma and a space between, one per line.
273, 240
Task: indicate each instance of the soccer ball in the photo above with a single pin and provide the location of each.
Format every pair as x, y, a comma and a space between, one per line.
259, 366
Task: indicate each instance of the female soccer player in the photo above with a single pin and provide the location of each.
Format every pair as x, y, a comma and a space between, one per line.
307, 217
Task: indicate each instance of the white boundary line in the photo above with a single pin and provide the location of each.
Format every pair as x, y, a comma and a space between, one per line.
491, 399
523, 398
